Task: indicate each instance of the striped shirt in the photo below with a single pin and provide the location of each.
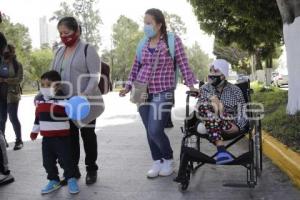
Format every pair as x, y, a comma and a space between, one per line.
164, 76
50, 118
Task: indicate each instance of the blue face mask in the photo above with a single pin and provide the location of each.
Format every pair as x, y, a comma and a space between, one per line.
149, 31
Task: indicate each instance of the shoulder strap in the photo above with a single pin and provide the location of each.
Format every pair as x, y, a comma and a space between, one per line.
171, 44
85, 49
139, 50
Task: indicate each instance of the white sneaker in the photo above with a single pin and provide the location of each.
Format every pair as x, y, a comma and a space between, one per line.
167, 168
155, 169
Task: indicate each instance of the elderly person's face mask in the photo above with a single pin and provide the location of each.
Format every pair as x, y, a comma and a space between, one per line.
216, 78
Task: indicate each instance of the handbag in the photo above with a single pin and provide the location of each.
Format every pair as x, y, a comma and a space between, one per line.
139, 91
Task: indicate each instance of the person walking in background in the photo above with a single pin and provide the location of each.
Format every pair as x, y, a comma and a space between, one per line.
5, 176
157, 70
11, 76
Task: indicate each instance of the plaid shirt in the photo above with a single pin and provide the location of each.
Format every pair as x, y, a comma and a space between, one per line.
232, 99
164, 76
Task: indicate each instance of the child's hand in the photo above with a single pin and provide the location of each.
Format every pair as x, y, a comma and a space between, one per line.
33, 136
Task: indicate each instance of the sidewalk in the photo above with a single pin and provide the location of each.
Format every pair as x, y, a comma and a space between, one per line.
124, 159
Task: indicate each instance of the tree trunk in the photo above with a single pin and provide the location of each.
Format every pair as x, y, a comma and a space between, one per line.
292, 45
268, 70
38, 85
290, 12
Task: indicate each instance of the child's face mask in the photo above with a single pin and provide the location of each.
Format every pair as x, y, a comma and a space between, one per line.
48, 89
48, 93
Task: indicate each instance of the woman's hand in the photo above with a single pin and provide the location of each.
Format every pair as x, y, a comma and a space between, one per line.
123, 92
217, 104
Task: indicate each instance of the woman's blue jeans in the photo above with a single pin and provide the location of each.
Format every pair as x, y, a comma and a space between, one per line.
155, 115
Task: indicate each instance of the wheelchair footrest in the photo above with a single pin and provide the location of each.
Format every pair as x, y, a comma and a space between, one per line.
241, 160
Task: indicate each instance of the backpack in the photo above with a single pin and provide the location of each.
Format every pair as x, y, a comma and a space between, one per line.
104, 84
171, 44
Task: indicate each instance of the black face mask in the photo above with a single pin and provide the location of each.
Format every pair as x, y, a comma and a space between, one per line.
215, 80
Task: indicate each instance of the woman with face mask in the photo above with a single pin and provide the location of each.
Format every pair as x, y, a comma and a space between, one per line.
221, 104
11, 76
79, 67
220, 109
161, 84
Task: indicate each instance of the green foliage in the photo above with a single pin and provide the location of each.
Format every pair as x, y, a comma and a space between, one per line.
126, 36
251, 24
88, 18
175, 24
40, 61
199, 61
276, 121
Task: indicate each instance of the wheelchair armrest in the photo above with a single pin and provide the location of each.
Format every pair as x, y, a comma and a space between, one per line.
192, 93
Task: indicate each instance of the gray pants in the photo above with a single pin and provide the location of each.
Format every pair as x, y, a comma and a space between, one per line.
3, 156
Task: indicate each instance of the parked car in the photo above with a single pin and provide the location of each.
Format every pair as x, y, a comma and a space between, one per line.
279, 79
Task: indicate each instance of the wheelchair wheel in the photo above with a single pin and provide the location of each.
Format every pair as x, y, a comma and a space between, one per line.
258, 149
182, 187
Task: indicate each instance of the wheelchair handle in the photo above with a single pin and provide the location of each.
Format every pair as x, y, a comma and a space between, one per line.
190, 94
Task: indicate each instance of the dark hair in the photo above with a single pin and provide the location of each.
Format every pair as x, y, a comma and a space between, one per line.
51, 76
3, 42
70, 22
159, 18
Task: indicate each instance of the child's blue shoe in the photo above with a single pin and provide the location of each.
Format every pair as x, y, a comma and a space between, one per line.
51, 186
223, 158
72, 185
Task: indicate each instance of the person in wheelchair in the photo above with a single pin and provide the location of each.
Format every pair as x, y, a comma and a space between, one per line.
221, 109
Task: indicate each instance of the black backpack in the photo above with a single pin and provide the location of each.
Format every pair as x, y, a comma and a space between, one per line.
104, 84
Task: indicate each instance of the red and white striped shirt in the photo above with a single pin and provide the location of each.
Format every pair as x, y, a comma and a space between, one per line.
51, 119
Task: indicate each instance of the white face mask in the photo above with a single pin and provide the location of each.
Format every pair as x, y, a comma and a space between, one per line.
48, 93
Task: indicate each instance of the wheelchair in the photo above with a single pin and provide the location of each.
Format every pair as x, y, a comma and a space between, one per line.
191, 144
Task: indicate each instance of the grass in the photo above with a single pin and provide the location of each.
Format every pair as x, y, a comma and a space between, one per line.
276, 121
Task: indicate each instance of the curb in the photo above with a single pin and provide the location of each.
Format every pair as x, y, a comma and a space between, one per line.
286, 159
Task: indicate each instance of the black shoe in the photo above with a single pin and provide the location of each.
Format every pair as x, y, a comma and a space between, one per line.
91, 177
6, 179
18, 145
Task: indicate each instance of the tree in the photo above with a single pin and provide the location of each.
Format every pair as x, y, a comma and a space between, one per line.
290, 13
238, 58
88, 18
126, 36
253, 25
175, 24
40, 61
199, 61
18, 35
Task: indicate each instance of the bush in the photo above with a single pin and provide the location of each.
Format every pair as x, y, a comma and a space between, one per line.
276, 121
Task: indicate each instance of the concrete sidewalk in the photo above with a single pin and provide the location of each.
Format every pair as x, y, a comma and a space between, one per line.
124, 159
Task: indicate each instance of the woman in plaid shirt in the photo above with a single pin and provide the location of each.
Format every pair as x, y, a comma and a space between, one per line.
161, 85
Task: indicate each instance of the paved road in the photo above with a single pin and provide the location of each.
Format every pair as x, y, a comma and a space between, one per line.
124, 159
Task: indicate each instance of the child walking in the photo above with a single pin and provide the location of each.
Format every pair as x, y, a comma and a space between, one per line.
52, 123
